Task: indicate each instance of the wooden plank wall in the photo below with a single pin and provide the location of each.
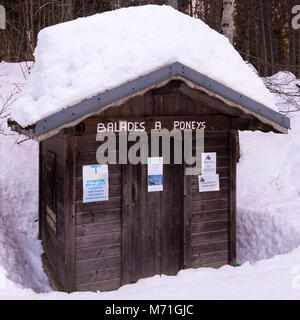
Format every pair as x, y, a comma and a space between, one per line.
98, 226
152, 224
209, 229
208, 237
53, 244
233, 156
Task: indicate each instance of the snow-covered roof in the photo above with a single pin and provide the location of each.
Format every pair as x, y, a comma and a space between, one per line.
79, 59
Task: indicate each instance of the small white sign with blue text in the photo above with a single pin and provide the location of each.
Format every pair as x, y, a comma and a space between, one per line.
95, 183
155, 174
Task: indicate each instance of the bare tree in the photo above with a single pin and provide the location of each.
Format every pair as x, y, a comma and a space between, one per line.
7, 100
287, 89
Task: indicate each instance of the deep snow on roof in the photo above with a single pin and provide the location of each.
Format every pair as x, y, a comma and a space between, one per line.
81, 58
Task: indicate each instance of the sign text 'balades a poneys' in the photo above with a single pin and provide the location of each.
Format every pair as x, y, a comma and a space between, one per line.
123, 126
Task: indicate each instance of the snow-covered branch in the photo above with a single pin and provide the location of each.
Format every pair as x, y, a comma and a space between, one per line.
286, 87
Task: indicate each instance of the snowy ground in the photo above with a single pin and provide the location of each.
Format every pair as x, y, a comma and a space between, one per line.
276, 278
268, 224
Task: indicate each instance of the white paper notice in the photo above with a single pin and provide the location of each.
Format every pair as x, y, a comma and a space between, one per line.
155, 174
95, 183
209, 183
209, 163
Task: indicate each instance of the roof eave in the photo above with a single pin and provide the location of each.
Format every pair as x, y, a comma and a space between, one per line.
164, 74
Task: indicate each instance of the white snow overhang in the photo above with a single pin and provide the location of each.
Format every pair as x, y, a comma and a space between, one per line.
74, 114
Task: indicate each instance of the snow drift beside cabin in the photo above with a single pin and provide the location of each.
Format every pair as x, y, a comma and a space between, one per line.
86, 56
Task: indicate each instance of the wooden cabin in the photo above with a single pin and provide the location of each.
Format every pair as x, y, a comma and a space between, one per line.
136, 234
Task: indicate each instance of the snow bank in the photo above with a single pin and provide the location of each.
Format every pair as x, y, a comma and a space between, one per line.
268, 190
86, 56
268, 193
10, 290
19, 248
276, 278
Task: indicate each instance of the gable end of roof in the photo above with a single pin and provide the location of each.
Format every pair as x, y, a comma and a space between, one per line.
101, 100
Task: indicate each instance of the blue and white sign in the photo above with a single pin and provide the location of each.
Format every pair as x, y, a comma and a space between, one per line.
95, 183
155, 174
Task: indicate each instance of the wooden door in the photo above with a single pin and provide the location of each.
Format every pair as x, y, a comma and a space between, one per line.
152, 223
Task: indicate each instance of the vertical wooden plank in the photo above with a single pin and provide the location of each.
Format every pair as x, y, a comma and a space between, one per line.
155, 200
232, 197
126, 226
145, 227
154, 208
148, 103
155, 226
174, 208
40, 190
139, 213
169, 213
69, 209
165, 229
149, 206
134, 252
176, 186
187, 215
136, 233
178, 209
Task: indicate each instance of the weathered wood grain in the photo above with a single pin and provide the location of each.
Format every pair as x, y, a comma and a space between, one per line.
198, 227
199, 216
98, 240
209, 236
90, 229
85, 278
98, 216
105, 285
95, 264
209, 259
112, 203
98, 252
210, 205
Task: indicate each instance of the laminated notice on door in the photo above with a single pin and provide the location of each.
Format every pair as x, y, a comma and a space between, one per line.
209, 183
95, 183
155, 174
209, 161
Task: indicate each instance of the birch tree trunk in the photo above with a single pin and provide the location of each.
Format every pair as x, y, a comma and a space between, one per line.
227, 19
